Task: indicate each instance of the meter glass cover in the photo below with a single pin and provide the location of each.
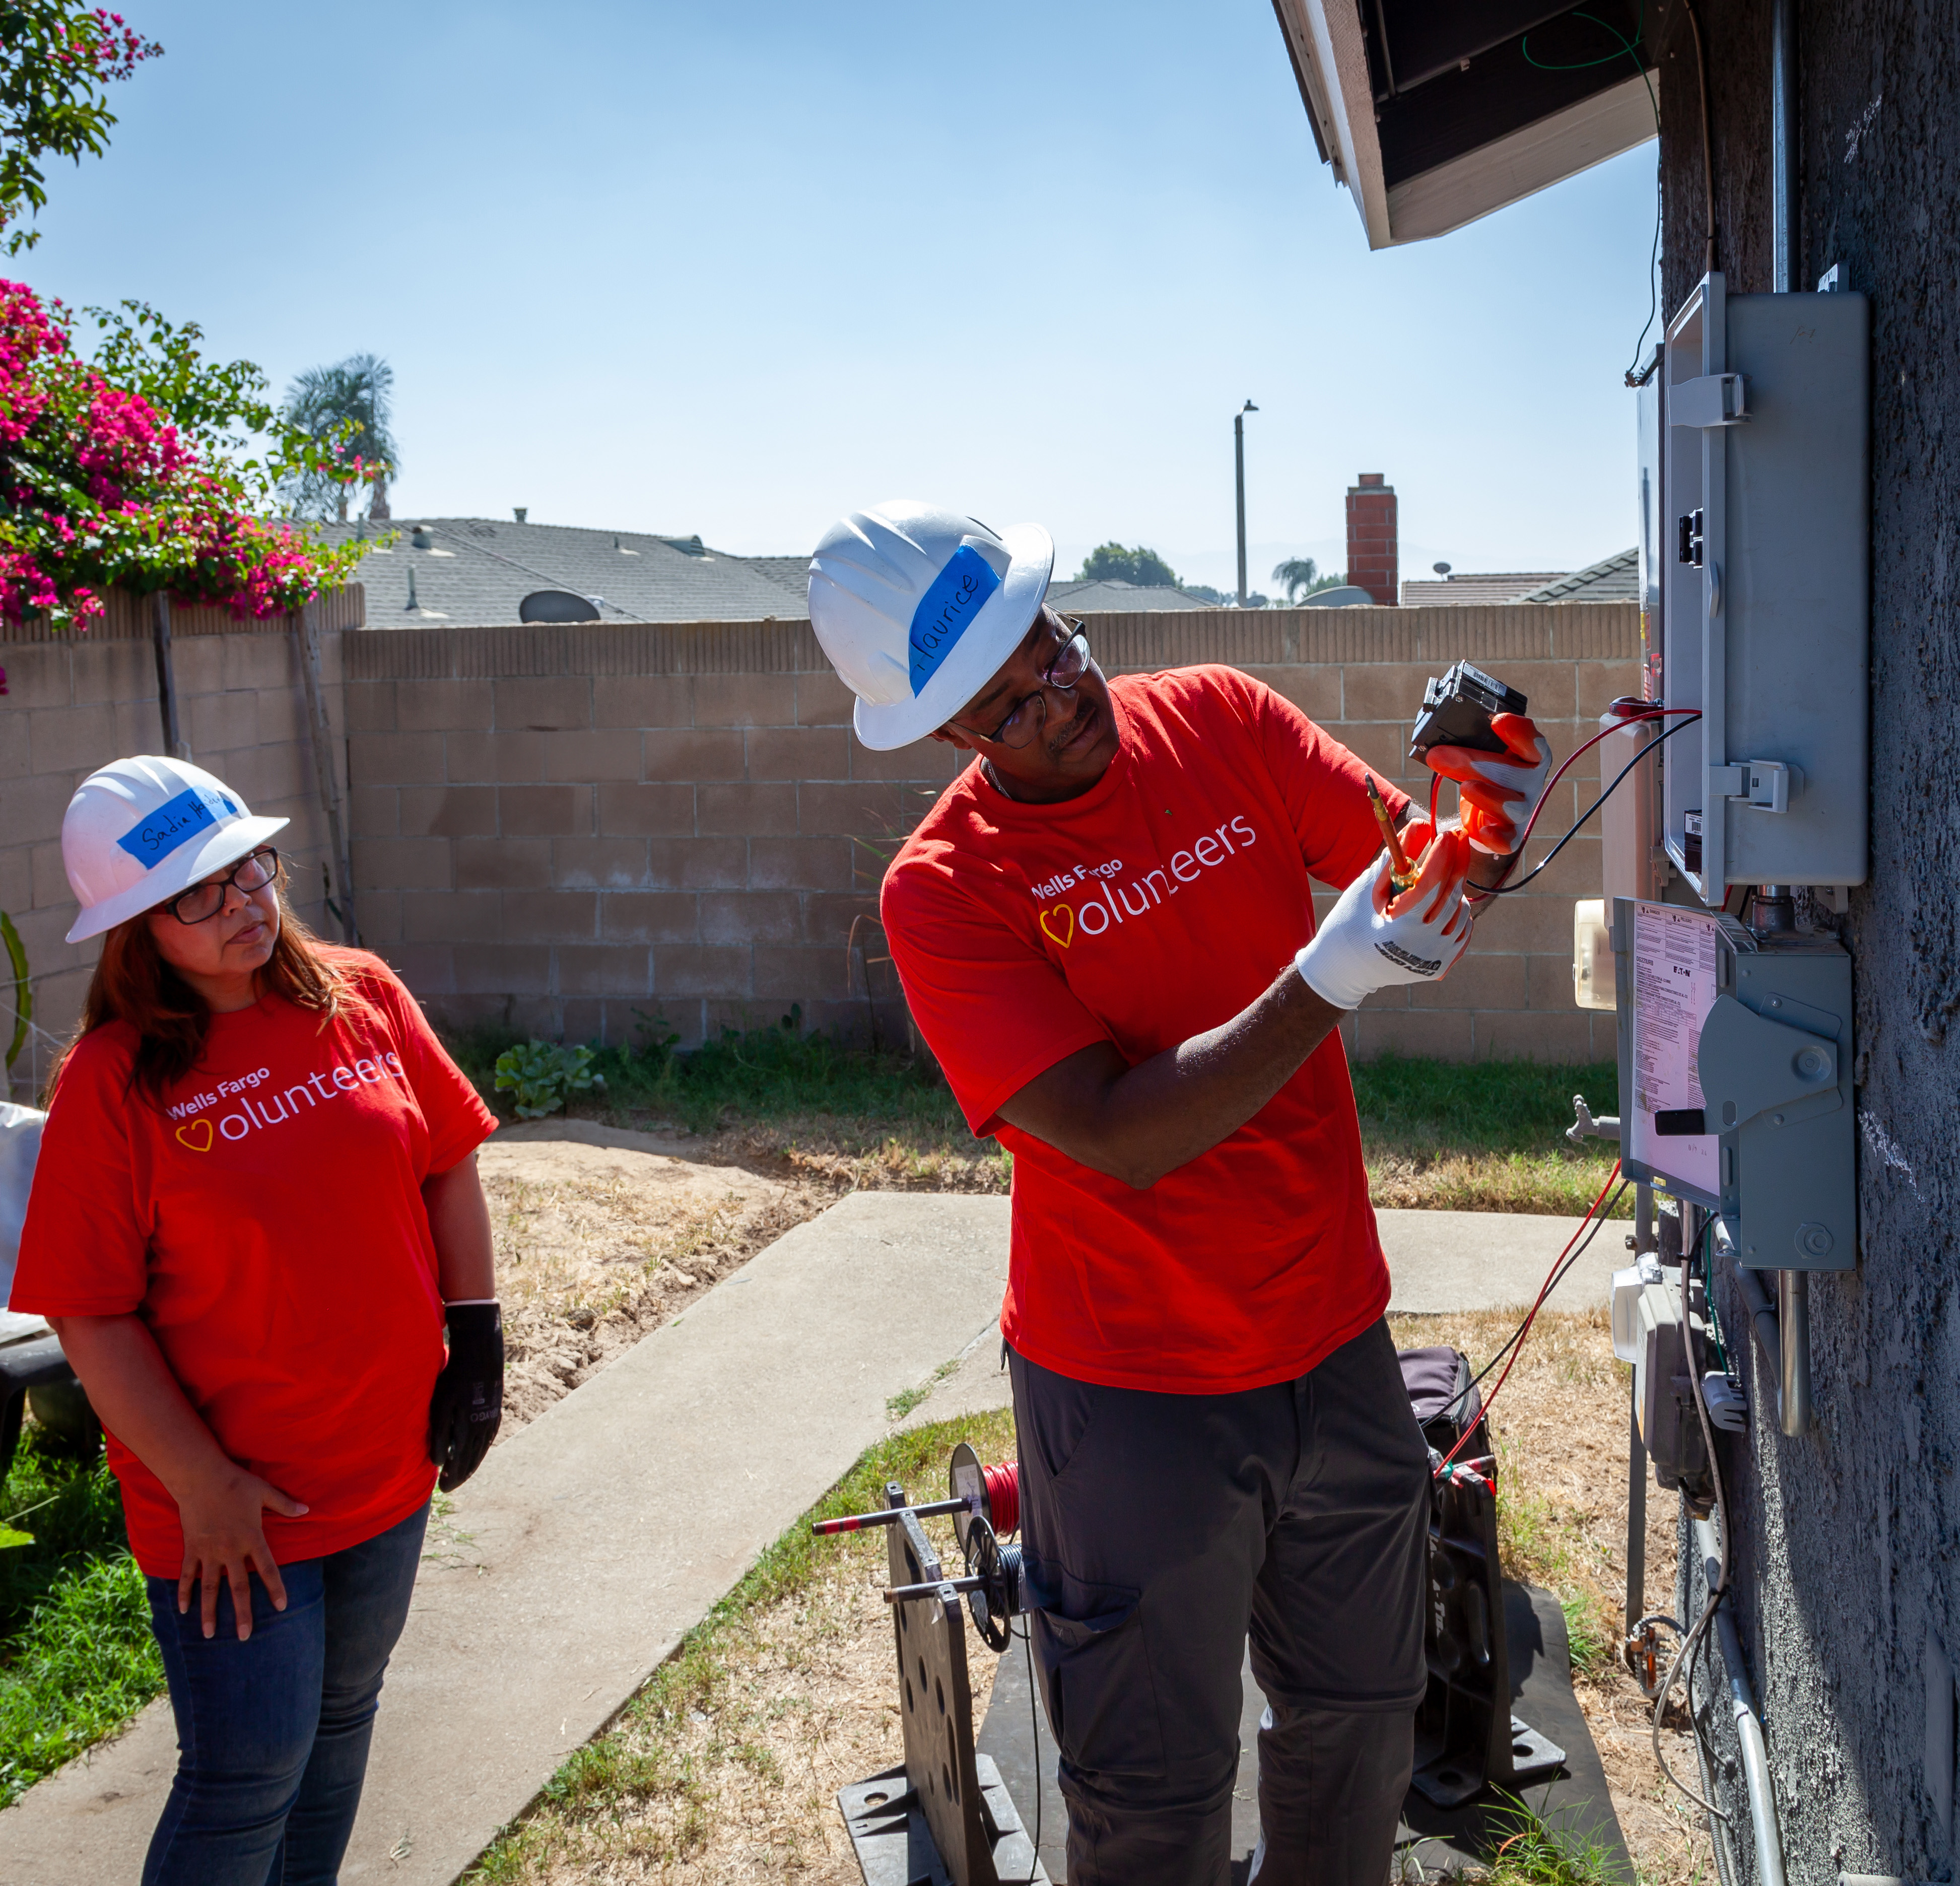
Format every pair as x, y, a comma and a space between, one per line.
1674, 953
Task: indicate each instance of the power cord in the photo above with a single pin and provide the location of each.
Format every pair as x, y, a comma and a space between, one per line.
1720, 1589
1627, 48
1689, 716
1561, 1264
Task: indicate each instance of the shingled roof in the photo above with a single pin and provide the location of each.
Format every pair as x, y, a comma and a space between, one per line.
1613, 579
1112, 593
474, 572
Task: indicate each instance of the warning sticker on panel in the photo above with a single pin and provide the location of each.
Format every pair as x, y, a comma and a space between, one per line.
1674, 988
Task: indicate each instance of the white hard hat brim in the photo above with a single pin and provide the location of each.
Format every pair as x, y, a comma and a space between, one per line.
982, 650
225, 846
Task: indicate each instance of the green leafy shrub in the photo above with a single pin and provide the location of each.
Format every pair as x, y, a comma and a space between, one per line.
542, 1075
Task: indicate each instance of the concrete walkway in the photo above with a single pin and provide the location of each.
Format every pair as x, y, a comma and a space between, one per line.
590, 1543
1444, 1260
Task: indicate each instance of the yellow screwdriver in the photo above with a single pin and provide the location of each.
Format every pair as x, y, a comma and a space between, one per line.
1401, 873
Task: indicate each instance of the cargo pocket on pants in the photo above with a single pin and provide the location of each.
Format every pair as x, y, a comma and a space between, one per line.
1096, 1678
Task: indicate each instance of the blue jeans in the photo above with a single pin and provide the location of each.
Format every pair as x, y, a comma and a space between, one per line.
273, 1733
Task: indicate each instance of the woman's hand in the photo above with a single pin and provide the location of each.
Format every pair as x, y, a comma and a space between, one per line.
224, 1538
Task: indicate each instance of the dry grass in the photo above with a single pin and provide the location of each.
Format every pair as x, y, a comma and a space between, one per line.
724, 1770
595, 1245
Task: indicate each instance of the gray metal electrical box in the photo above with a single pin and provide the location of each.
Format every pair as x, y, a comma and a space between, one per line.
1764, 531
1736, 1079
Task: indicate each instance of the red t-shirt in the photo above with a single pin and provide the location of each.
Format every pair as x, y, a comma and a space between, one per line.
1158, 904
268, 1224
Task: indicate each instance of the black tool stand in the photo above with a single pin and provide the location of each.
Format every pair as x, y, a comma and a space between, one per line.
945, 1818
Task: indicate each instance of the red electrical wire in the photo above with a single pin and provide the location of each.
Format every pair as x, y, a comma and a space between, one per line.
1632, 719
1003, 1496
1517, 1346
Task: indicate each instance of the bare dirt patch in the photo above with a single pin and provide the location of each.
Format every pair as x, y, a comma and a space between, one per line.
600, 1238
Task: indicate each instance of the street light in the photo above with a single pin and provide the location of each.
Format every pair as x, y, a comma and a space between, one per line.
1238, 448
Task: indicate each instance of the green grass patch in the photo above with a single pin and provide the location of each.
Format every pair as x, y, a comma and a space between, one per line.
1479, 1106
77, 1659
1483, 1136
640, 1758
1480, 1136
772, 1072
1528, 1850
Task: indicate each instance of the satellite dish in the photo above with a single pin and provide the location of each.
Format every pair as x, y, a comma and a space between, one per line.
556, 606
1349, 596
1441, 569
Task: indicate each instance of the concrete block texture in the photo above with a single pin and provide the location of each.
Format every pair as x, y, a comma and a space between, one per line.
502, 819
745, 701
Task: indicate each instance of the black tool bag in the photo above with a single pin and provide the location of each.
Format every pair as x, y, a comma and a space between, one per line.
1465, 1735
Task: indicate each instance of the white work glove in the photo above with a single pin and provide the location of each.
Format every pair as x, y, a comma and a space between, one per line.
1500, 791
1374, 940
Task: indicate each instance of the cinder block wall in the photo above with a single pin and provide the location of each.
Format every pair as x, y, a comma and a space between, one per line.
76, 702
562, 829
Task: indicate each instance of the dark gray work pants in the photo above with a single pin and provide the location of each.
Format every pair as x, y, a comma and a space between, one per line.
1160, 1528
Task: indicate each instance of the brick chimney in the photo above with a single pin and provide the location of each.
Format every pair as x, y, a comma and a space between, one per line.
1372, 557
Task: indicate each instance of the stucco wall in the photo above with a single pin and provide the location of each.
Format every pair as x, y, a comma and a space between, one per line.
564, 829
1847, 1537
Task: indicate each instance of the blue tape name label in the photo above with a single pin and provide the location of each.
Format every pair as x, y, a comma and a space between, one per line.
190, 815
947, 610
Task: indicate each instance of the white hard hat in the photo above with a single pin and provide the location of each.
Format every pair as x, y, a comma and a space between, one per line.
141, 830
918, 607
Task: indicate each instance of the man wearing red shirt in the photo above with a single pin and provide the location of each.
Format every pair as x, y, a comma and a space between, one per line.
1105, 928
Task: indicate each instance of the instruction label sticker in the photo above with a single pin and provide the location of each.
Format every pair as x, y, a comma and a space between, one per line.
1674, 988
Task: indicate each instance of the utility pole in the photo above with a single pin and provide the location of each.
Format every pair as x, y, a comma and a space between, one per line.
1238, 450
166, 679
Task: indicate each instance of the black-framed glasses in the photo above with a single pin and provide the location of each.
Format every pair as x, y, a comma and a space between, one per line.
201, 902
1029, 714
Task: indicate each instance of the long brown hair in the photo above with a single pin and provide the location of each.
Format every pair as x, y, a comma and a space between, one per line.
132, 983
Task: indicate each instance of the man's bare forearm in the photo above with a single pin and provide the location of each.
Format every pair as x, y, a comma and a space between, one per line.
1138, 1123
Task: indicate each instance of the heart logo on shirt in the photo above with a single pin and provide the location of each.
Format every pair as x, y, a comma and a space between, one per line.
1066, 935
196, 1136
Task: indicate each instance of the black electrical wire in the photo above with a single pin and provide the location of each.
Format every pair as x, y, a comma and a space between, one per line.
1628, 49
1504, 890
1034, 1723
1460, 1402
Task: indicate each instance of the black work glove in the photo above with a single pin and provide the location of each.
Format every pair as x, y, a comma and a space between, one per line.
468, 1403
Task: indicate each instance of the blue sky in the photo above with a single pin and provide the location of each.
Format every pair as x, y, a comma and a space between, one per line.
733, 270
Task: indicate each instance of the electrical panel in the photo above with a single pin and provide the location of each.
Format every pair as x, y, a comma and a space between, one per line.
1736, 1079
1760, 539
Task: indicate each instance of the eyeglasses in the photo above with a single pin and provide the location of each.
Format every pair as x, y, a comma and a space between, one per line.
1029, 714
203, 902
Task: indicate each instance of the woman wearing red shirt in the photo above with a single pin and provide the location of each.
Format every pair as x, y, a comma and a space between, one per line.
256, 1206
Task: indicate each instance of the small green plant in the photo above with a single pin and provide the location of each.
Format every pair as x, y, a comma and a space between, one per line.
1530, 1851
23, 989
542, 1074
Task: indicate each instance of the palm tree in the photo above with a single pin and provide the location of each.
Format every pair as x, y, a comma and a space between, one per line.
1302, 577
1297, 573
321, 402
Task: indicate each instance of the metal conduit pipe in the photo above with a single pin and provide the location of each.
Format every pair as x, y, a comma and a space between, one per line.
1762, 1320
1793, 1319
1749, 1724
